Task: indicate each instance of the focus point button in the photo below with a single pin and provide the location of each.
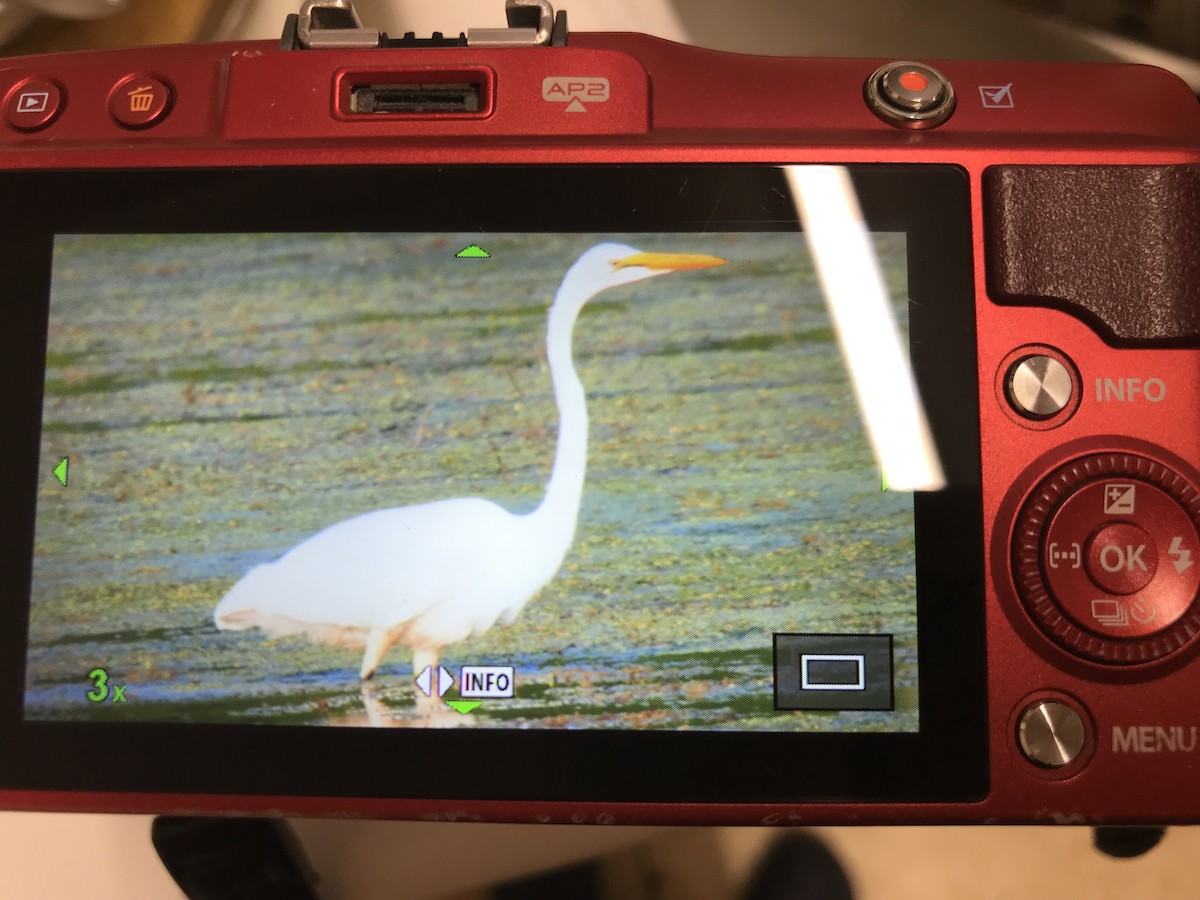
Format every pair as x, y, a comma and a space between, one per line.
1051, 734
140, 101
909, 95
33, 104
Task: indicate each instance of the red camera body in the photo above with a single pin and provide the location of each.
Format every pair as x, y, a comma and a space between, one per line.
1084, 235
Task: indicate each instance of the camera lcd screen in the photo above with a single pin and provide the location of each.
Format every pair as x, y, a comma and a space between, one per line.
563, 468
277, 463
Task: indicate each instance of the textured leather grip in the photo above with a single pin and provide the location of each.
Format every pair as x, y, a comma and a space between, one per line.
1118, 246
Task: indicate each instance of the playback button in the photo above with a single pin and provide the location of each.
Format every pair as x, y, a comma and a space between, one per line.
833, 671
34, 104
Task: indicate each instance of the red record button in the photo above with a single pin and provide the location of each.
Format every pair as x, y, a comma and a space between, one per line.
139, 101
33, 104
913, 81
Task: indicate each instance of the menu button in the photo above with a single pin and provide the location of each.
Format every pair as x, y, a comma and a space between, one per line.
1051, 734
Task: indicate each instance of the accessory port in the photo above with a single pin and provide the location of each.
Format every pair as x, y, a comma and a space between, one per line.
414, 98
416, 92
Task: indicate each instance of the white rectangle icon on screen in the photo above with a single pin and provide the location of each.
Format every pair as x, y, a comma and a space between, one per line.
486, 681
829, 668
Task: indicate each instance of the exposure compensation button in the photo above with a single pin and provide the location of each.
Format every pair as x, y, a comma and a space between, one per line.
1051, 734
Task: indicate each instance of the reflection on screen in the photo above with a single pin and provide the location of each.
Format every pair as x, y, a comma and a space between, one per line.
464, 480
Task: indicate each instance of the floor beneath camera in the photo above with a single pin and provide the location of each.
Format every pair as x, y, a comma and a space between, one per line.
44, 856
882, 863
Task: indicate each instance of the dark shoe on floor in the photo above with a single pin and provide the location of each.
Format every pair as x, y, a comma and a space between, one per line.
799, 867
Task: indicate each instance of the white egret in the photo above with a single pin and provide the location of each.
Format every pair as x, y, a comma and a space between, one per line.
433, 574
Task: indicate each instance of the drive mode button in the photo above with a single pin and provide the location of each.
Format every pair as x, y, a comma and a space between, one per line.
833, 671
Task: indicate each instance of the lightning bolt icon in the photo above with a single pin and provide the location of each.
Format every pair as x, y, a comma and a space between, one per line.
1185, 556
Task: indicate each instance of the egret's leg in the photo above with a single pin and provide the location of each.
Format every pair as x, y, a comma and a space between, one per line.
377, 714
377, 645
426, 656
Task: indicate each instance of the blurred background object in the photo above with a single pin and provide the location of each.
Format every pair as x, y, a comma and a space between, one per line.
43, 26
1164, 33
1170, 24
48, 856
17, 15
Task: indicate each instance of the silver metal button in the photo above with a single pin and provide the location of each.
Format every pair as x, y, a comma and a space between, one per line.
1039, 387
909, 95
1051, 734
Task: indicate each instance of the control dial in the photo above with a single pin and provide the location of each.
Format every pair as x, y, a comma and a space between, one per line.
1106, 558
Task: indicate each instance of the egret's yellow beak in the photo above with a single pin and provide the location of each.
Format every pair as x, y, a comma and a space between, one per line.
670, 261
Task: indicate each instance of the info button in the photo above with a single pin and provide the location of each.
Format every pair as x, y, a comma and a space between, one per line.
486, 681
833, 671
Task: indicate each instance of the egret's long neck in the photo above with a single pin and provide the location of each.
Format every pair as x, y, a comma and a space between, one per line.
559, 511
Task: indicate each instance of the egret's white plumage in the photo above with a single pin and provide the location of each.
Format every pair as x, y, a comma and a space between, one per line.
436, 573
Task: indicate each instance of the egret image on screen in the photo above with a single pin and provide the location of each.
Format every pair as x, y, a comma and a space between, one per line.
433, 574
280, 446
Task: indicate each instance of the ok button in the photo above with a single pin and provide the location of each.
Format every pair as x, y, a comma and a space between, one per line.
1121, 558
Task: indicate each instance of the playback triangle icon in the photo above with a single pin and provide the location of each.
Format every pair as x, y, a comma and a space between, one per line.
424, 681
445, 680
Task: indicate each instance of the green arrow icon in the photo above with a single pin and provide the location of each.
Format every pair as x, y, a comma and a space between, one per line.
474, 251
60, 471
463, 706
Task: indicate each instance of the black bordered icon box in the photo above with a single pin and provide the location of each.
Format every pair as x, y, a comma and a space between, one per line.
833, 671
